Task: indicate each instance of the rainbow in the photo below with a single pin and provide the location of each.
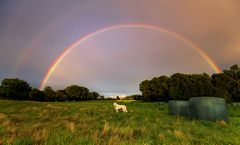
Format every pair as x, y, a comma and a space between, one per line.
68, 49
34, 43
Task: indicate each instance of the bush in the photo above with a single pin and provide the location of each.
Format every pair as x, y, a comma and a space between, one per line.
77, 93
36, 95
14, 88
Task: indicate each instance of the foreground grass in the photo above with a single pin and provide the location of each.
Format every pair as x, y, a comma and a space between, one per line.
95, 122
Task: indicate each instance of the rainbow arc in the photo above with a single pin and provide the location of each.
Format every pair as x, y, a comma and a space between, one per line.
183, 39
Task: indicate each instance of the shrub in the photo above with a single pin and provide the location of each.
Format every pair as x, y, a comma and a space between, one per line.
36, 95
14, 88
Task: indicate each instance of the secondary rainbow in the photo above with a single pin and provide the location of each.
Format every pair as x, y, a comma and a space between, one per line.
34, 43
183, 39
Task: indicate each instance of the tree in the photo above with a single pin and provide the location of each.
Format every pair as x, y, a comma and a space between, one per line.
102, 97
137, 97
157, 89
234, 72
220, 83
184, 86
178, 86
1, 92
200, 85
14, 88
76, 92
117, 98
133, 97
179, 89
234, 82
161, 88
49, 93
227, 84
93, 96
145, 89
36, 95
61, 95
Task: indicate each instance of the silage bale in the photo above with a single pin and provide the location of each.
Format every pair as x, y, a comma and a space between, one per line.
177, 107
208, 108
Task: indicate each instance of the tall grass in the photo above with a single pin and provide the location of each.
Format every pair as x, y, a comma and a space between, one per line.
95, 122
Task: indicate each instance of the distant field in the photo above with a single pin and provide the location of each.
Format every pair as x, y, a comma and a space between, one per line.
95, 122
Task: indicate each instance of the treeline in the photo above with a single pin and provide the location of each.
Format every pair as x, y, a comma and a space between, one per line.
131, 97
16, 89
184, 86
176, 87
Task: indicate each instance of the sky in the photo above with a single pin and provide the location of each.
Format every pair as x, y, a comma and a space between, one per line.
112, 46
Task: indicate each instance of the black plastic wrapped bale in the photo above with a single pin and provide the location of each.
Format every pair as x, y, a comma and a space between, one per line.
177, 107
208, 108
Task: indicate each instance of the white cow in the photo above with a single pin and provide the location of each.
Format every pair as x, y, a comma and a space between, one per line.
120, 107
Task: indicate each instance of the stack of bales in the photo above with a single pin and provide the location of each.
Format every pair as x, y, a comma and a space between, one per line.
201, 108
180, 108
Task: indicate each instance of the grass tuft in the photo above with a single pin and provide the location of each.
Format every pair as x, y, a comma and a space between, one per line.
40, 136
161, 136
178, 134
71, 126
105, 129
2, 116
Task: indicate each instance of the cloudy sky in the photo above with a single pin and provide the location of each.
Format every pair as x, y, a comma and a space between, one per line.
35, 33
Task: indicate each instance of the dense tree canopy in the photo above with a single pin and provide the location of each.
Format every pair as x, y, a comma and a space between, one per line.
156, 89
227, 84
61, 95
178, 86
17, 89
133, 97
93, 95
76, 92
36, 95
184, 86
49, 94
14, 88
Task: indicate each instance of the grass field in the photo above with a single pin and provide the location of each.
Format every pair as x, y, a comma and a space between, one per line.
95, 122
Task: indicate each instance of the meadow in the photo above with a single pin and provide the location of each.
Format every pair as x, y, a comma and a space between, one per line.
96, 122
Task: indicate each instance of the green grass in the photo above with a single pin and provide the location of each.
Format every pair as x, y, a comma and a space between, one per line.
95, 122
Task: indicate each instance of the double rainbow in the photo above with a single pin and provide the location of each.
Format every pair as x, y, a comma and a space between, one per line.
68, 49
